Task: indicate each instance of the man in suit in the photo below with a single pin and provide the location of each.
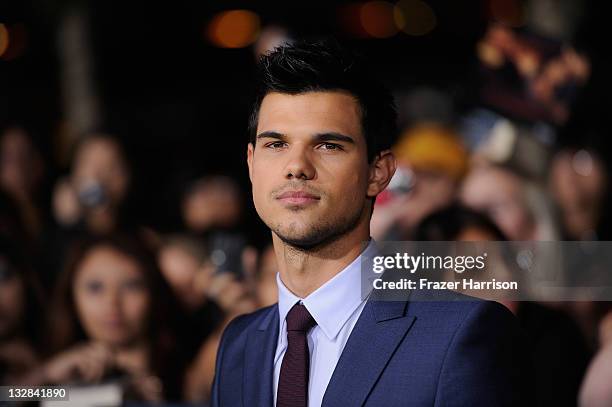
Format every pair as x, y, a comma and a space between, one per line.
319, 153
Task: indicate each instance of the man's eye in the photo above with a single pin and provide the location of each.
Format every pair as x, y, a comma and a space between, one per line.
331, 146
275, 144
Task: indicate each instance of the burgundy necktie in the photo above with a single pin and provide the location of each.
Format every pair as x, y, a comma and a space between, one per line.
293, 380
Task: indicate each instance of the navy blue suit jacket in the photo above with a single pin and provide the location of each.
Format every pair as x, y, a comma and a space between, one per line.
400, 353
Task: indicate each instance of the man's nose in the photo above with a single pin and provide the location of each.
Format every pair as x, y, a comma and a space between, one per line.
300, 165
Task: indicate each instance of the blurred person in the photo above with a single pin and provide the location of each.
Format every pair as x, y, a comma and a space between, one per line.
92, 200
212, 202
578, 182
517, 206
523, 212
94, 195
319, 153
21, 175
110, 322
497, 140
209, 299
200, 375
185, 264
559, 351
212, 208
20, 315
431, 163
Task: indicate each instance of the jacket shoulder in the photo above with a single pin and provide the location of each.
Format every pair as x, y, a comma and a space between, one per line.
246, 322
488, 351
453, 306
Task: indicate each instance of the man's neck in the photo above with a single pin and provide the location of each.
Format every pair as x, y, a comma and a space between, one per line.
303, 271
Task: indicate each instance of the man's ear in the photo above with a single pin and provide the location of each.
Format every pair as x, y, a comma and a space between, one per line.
381, 170
250, 152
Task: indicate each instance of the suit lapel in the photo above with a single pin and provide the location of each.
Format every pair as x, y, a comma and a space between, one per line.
381, 327
259, 361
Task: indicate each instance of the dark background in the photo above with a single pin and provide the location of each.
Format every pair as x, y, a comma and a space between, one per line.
180, 104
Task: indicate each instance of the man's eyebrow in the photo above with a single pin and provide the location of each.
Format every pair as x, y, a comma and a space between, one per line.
333, 136
271, 134
320, 137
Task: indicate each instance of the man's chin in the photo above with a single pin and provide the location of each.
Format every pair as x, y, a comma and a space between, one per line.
301, 242
312, 230
300, 236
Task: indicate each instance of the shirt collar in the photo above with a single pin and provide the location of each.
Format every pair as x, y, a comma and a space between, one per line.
332, 304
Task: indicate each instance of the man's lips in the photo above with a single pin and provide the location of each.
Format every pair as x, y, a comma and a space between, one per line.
297, 197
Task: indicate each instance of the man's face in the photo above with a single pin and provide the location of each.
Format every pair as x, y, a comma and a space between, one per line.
309, 167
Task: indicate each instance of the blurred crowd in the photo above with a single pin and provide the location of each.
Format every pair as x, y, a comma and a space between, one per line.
90, 295
86, 297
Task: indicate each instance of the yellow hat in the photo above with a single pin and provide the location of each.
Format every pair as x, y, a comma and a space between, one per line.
432, 147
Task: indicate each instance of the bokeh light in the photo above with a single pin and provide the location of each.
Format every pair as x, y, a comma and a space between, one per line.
414, 17
377, 19
233, 29
4, 39
13, 41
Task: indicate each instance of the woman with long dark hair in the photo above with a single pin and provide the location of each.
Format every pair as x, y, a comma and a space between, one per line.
110, 321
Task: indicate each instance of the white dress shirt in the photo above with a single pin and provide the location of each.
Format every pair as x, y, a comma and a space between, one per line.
336, 307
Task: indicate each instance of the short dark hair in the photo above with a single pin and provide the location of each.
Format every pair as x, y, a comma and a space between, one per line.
326, 65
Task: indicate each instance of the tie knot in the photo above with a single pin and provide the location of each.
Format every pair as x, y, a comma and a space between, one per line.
299, 319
